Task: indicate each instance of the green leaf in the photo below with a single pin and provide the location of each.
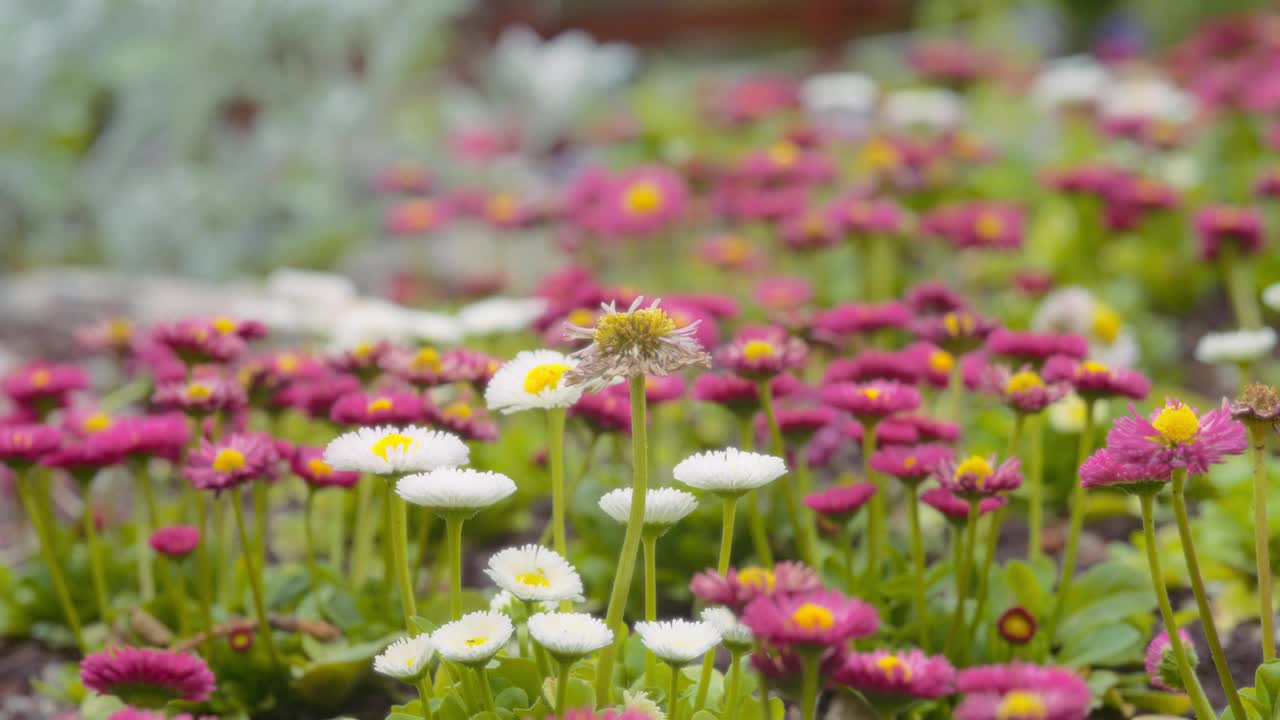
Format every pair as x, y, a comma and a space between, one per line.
1107, 610
1109, 644
1266, 682
1026, 586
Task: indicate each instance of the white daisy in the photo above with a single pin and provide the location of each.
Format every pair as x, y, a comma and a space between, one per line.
496, 315
535, 573
1073, 309
406, 659
937, 108
729, 471
569, 636
457, 491
473, 639
386, 450
532, 379
1237, 346
640, 702
663, 507
1066, 416
1271, 296
1071, 81
735, 635
1147, 97
678, 642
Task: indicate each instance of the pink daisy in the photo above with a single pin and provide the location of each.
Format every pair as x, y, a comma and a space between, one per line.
1104, 469
1093, 380
201, 396
380, 408
954, 508
1024, 391
1217, 226
840, 502
198, 342
933, 298
232, 461
900, 366
783, 294
603, 412
162, 435
738, 395
1175, 436
642, 201
82, 460
1036, 347
1019, 691
23, 445
843, 321
931, 429
731, 253
976, 477
1162, 669
307, 462
762, 352
872, 401
658, 389
890, 431
808, 231
819, 617
175, 541
911, 464
957, 332
858, 215
740, 586
464, 419
43, 386
402, 178
906, 673
147, 677
417, 216
798, 425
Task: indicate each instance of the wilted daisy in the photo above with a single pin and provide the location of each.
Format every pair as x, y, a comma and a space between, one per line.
736, 636
533, 573
388, 449
729, 472
569, 636
1237, 346
474, 639
406, 659
532, 379
678, 642
663, 507
455, 491
637, 341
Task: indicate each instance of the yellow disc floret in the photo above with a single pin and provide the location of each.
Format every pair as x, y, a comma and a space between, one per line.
381, 404
228, 460
544, 377
394, 441
977, 467
942, 361
1022, 705
1022, 382
642, 198
756, 349
1177, 425
811, 616
319, 467
756, 577
537, 578
1106, 324
639, 333
892, 665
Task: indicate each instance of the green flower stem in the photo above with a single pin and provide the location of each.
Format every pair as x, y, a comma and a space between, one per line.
631, 541
486, 691
993, 534
226, 563
1077, 524
883, 265
260, 494
1238, 279
144, 511
962, 576
801, 523
1261, 542
539, 653
308, 521
846, 550
673, 705
1199, 702
755, 516
453, 534
398, 539
730, 505
917, 564
809, 685
255, 577
337, 513
363, 547
764, 695
94, 547
555, 460
177, 596
1202, 598
562, 688
729, 702
650, 546
876, 511
424, 542
204, 568
27, 494
955, 392
1035, 490
424, 695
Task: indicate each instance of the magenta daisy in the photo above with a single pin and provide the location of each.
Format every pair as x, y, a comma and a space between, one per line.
642, 201
307, 462
977, 477
808, 231
931, 429
23, 445
957, 332
901, 366
843, 321
163, 435
890, 431
738, 587
841, 502
417, 215
146, 677
1020, 691
197, 342
1024, 391
955, 508
760, 353
935, 298
231, 461
658, 389
1104, 469
1175, 436
798, 425
857, 215
911, 464
1162, 669
465, 420
1036, 347
1093, 380
906, 673
873, 401
201, 396
379, 408
783, 294
1219, 226
738, 395
362, 360
731, 253
603, 412
175, 541
43, 386
817, 618
82, 460
784, 666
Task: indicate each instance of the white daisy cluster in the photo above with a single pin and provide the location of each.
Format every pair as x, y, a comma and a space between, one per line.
473, 639
729, 472
406, 659
569, 637
678, 642
532, 573
663, 507
533, 379
1236, 346
388, 450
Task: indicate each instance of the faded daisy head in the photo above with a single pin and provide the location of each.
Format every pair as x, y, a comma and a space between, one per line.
637, 341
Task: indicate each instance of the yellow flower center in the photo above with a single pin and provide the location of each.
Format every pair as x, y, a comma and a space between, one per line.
880, 155
502, 207
537, 578
871, 393
977, 467
958, 323
427, 359
198, 391
1016, 626
989, 226
1022, 382
544, 377
1177, 425
813, 617
228, 460
394, 441
363, 350
458, 411
582, 317
288, 363
97, 422
119, 330
642, 198
1107, 323
909, 463
784, 154
1022, 705
225, 325
942, 361
241, 641
734, 249
419, 213
756, 577
891, 664
475, 641
756, 349
41, 377
319, 467
1095, 368
640, 332
381, 404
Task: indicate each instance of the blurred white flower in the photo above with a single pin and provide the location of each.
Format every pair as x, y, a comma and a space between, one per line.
1236, 346
496, 315
1071, 81
1146, 97
1073, 309
932, 108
